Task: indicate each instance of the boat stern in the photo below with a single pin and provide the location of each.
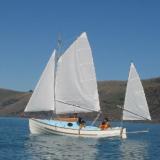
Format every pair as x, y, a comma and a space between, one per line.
123, 133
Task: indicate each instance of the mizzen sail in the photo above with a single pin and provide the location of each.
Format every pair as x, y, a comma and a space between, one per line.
42, 98
76, 85
135, 105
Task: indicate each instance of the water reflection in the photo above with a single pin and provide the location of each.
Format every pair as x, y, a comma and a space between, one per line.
60, 147
63, 147
17, 143
134, 149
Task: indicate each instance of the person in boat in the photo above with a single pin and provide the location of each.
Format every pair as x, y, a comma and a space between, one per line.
81, 122
105, 124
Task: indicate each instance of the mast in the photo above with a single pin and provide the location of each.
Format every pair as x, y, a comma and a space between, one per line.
58, 52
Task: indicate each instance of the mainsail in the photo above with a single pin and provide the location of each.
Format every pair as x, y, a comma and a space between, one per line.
42, 98
76, 85
70, 84
135, 105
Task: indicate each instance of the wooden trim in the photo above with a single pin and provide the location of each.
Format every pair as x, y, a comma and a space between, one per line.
66, 119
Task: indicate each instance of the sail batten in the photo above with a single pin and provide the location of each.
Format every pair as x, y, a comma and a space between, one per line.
135, 105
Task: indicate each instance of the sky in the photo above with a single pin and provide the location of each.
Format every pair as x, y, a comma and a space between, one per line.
119, 31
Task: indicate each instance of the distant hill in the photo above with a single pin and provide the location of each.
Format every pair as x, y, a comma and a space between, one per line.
111, 93
12, 103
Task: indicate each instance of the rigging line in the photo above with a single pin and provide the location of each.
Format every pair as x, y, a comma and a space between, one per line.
98, 115
75, 105
132, 113
66, 42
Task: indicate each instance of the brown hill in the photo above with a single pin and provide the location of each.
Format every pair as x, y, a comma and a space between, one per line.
12, 103
111, 93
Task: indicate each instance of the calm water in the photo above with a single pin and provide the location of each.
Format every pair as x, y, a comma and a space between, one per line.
16, 143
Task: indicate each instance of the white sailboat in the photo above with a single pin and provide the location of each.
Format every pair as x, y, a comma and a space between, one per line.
68, 85
135, 105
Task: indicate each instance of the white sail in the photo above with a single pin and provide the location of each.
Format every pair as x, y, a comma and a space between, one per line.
135, 105
42, 98
76, 85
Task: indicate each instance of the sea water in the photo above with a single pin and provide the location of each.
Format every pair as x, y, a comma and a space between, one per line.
16, 143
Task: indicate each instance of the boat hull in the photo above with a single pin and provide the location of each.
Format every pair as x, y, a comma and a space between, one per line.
41, 127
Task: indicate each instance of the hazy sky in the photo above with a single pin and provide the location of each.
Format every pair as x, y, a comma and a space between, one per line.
119, 31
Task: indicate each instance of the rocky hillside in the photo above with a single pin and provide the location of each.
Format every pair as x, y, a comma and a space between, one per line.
111, 93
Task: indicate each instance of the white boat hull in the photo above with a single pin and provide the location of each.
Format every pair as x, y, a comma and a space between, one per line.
39, 127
